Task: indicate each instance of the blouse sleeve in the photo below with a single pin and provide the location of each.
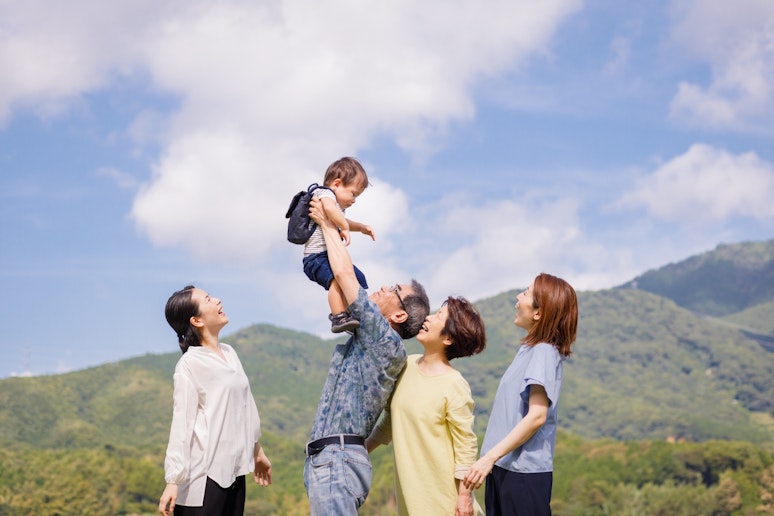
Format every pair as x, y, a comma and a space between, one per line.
255, 418
185, 403
459, 419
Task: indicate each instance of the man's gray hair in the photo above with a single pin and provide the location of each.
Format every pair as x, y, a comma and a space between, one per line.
417, 306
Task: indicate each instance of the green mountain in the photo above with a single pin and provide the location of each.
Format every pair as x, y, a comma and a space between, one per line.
734, 283
643, 367
647, 365
727, 280
129, 402
759, 318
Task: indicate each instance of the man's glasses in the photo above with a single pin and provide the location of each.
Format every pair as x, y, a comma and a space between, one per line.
395, 289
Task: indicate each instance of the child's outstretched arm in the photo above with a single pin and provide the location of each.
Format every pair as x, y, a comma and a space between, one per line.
361, 228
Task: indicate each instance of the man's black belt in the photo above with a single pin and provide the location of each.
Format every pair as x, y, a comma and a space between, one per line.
315, 447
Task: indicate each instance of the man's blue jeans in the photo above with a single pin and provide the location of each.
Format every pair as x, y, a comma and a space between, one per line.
337, 480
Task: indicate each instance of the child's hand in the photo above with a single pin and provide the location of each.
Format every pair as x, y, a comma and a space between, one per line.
368, 230
344, 234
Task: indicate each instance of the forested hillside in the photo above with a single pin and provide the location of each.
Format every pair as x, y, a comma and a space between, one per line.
651, 393
724, 281
642, 368
632, 478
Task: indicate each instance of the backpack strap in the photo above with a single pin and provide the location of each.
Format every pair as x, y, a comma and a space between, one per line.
315, 186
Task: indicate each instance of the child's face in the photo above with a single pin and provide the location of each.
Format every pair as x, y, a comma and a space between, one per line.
346, 194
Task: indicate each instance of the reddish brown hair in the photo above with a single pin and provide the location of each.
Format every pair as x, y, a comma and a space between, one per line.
556, 302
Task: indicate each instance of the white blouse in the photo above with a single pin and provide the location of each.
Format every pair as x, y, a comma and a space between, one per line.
215, 423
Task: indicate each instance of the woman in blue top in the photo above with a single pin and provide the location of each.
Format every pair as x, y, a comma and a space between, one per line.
517, 453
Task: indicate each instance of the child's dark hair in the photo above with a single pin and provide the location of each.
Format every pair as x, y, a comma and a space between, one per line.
179, 310
347, 169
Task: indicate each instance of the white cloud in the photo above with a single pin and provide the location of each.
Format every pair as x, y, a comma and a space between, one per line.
217, 195
481, 250
267, 95
382, 206
737, 43
51, 53
271, 93
706, 185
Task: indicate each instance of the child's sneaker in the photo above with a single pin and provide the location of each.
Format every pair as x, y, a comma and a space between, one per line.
343, 322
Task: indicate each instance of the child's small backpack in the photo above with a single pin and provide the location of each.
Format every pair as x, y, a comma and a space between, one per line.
300, 226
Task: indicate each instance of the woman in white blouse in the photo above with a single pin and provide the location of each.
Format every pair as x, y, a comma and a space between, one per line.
214, 438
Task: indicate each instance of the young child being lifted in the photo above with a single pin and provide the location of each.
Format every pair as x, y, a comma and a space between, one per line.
345, 180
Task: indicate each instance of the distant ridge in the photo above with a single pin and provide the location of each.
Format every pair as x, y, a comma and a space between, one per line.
729, 279
643, 368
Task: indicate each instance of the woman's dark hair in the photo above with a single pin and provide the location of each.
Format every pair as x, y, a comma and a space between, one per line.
179, 310
556, 302
417, 306
465, 327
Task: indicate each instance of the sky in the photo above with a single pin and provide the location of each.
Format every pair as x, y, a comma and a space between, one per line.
149, 145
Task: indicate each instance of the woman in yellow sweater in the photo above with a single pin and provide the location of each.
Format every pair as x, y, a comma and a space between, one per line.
430, 417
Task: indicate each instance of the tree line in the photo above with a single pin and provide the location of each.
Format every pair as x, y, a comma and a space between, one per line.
602, 477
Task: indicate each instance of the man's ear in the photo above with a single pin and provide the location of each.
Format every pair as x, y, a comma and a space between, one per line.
398, 317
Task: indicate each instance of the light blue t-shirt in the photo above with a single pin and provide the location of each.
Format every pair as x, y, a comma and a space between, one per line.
540, 364
361, 375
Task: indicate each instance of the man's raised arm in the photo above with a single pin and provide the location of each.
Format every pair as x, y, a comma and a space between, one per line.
338, 257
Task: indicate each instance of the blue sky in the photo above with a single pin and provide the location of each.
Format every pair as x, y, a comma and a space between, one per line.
146, 146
